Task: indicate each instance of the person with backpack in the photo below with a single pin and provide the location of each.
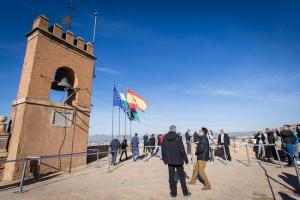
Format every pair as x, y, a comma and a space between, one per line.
124, 148
174, 155
135, 147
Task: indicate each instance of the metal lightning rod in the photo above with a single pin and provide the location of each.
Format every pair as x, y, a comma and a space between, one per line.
95, 24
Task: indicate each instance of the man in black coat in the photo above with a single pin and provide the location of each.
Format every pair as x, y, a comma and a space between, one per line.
271, 140
174, 155
124, 146
223, 139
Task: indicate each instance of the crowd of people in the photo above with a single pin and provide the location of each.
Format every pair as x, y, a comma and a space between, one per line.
170, 148
266, 141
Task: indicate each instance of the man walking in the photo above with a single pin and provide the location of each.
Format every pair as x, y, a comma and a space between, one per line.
124, 148
202, 153
188, 142
174, 155
135, 147
115, 145
223, 139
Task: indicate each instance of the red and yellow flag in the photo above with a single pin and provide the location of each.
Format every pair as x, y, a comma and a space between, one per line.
136, 101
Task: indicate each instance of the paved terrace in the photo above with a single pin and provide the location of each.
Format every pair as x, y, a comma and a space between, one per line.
148, 179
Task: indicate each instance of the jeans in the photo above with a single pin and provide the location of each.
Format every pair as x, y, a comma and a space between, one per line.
261, 150
113, 158
135, 153
292, 149
172, 181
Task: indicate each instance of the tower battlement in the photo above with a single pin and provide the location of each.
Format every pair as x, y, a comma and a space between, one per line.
68, 37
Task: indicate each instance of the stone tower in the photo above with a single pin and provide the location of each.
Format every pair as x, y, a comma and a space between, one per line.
55, 62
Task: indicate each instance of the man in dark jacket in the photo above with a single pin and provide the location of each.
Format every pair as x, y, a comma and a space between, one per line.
271, 140
202, 153
188, 142
124, 148
152, 144
174, 155
115, 145
223, 139
146, 143
260, 141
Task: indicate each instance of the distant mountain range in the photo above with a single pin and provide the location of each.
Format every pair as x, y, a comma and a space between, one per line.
107, 138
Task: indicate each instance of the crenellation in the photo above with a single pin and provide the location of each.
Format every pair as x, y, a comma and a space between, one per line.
42, 22
57, 30
80, 43
70, 37
90, 48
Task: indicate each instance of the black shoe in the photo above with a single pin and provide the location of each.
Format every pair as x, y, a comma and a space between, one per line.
188, 194
173, 196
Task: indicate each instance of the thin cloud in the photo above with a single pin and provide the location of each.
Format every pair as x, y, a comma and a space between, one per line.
107, 70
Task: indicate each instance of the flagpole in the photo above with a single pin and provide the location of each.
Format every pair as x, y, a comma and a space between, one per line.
112, 117
125, 122
130, 129
119, 122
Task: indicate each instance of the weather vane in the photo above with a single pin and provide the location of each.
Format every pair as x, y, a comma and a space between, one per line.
67, 20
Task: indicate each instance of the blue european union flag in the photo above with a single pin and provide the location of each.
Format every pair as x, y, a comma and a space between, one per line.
116, 98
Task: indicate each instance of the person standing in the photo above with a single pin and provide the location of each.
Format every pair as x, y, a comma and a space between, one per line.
271, 140
159, 143
115, 145
124, 148
210, 137
152, 144
174, 155
260, 141
298, 131
202, 153
188, 142
289, 142
135, 147
146, 140
223, 139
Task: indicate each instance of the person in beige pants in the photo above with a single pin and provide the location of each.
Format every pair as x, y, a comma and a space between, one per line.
202, 153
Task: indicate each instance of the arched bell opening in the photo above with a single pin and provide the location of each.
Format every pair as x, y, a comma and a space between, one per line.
62, 87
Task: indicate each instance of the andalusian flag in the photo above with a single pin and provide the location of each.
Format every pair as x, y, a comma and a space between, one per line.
136, 101
124, 104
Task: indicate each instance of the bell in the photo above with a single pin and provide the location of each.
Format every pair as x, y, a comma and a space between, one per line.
64, 83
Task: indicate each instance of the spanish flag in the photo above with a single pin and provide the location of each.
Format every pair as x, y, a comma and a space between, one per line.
136, 101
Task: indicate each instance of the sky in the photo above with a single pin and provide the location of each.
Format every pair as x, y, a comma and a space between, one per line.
215, 64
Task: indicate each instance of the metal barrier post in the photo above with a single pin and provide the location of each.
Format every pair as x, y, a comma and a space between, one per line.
98, 164
278, 157
248, 157
297, 172
109, 160
225, 155
23, 175
234, 146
